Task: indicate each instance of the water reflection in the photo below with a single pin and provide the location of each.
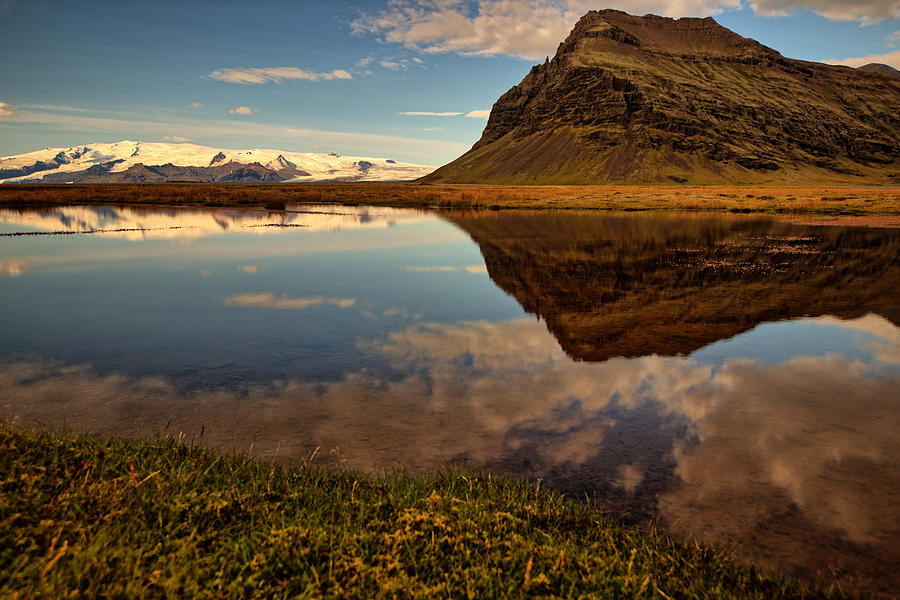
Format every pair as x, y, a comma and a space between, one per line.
13, 268
706, 392
626, 285
139, 223
748, 454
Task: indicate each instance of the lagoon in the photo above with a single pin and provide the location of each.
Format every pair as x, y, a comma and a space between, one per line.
730, 377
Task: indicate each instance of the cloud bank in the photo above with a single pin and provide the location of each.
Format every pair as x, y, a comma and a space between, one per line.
256, 75
532, 30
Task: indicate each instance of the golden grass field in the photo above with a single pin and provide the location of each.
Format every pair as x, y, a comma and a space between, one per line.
784, 200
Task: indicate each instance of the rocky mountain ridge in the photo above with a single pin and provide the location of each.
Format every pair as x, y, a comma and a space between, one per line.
650, 99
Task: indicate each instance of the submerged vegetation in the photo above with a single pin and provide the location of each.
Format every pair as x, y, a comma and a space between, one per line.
85, 517
781, 200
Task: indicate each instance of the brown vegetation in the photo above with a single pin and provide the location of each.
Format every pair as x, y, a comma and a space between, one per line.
783, 200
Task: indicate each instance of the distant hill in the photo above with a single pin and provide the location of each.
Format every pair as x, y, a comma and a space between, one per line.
657, 100
881, 69
140, 162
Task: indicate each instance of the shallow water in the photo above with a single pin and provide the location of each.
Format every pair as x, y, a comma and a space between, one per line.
736, 378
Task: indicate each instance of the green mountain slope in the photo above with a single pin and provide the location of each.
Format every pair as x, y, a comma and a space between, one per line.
656, 100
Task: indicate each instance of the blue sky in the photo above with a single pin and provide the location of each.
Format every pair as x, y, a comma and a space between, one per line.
342, 76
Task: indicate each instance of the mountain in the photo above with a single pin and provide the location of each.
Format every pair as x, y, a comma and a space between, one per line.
613, 285
650, 99
139, 162
881, 69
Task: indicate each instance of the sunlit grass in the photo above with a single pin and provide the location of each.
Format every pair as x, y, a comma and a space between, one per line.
85, 517
780, 200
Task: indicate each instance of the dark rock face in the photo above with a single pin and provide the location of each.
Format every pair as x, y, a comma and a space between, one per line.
651, 99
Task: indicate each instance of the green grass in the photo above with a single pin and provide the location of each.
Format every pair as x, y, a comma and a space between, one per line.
82, 517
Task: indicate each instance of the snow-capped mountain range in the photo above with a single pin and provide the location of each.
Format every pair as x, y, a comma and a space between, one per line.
135, 162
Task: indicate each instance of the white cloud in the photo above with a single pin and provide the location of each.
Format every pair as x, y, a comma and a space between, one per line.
514, 27
176, 138
7, 110
256, 75
400, 64
431, 269
415, 113
532, 29
365, 62
891, 58
196, 105
268, 300
862, 11
479, 114
432, 129
241, 110
63, 108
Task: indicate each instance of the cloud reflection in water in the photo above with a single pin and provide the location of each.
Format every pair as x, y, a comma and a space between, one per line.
139, 223
795, 463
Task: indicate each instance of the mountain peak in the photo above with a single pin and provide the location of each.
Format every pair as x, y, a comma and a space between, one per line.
613, 31
129, 161
652, 99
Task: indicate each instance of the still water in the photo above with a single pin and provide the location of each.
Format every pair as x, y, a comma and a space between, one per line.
734, 378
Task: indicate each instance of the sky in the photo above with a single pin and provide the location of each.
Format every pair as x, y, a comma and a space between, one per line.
412, 80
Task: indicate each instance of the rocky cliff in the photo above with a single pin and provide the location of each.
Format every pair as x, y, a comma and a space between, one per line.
657, 100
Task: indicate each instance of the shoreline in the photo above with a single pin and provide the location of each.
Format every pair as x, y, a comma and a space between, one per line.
800, 200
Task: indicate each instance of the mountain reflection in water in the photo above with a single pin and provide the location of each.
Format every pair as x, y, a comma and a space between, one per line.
621, 285
687, 403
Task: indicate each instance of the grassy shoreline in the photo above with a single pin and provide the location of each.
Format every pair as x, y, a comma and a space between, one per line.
85, 517
757, 199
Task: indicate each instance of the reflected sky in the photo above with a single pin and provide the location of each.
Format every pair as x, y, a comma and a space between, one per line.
390, 345
140, 223
225, 309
